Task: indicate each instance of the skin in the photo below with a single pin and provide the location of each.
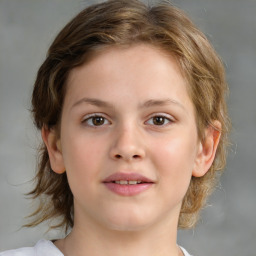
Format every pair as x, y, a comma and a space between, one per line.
148, 127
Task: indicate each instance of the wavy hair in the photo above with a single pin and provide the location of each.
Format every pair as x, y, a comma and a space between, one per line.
125, 23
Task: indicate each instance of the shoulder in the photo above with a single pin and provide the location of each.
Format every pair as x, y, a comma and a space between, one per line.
42, 248
185, 252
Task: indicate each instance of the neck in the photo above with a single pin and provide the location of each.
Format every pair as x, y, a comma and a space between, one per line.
94, 242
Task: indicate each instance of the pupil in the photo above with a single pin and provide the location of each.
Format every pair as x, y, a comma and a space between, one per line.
158, 120
98, 120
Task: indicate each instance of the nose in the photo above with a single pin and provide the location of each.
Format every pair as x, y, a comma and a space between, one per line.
127, 146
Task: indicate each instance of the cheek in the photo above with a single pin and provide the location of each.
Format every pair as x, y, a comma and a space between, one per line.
82, 159
80, 149
175, 159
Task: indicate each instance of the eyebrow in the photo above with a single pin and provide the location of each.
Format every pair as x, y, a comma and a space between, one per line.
146, 104
94, 102
162, 102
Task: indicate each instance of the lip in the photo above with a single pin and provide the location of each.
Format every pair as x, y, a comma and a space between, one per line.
128, 190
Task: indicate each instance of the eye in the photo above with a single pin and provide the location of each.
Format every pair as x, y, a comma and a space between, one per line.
95, 120
159, 120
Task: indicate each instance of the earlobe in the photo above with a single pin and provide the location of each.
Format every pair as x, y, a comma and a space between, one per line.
207, 149
53, 145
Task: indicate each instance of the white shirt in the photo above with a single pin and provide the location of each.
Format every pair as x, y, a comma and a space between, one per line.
45, 248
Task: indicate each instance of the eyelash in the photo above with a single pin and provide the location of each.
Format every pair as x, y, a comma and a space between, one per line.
89, 120
167, 120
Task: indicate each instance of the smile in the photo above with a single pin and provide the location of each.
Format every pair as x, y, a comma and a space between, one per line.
127, 184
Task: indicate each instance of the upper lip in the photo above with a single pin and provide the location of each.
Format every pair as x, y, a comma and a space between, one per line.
128, 177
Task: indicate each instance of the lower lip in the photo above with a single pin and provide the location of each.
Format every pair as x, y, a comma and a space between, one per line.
128, 190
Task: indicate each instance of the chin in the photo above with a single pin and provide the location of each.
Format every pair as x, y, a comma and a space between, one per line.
124, 227
129, 222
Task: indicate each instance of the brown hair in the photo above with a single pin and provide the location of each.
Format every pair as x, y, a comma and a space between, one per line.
123, 23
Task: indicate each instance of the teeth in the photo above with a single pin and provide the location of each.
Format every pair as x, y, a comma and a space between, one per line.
132, 182
126, 182
123, 182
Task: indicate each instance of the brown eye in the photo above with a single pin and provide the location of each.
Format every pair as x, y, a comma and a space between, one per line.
159, 120
98, 120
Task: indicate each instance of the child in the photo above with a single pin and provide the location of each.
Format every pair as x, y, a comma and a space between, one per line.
131, 105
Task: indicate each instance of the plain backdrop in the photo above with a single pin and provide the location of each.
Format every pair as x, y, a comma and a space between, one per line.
27, 27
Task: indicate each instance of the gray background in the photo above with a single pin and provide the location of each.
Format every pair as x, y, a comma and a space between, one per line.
228, 225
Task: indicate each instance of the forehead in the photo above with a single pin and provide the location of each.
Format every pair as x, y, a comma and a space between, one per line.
138, 54
114, 67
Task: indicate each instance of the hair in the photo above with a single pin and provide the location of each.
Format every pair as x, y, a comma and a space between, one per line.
122, 23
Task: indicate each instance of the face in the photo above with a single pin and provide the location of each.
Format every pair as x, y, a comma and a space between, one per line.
128, 139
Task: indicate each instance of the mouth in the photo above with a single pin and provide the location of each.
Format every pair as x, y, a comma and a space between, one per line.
127, 179
127, 184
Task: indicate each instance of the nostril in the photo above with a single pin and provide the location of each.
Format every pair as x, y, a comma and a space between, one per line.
134, 156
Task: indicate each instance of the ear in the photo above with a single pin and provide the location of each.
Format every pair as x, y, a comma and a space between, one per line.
53, 144
207, 149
